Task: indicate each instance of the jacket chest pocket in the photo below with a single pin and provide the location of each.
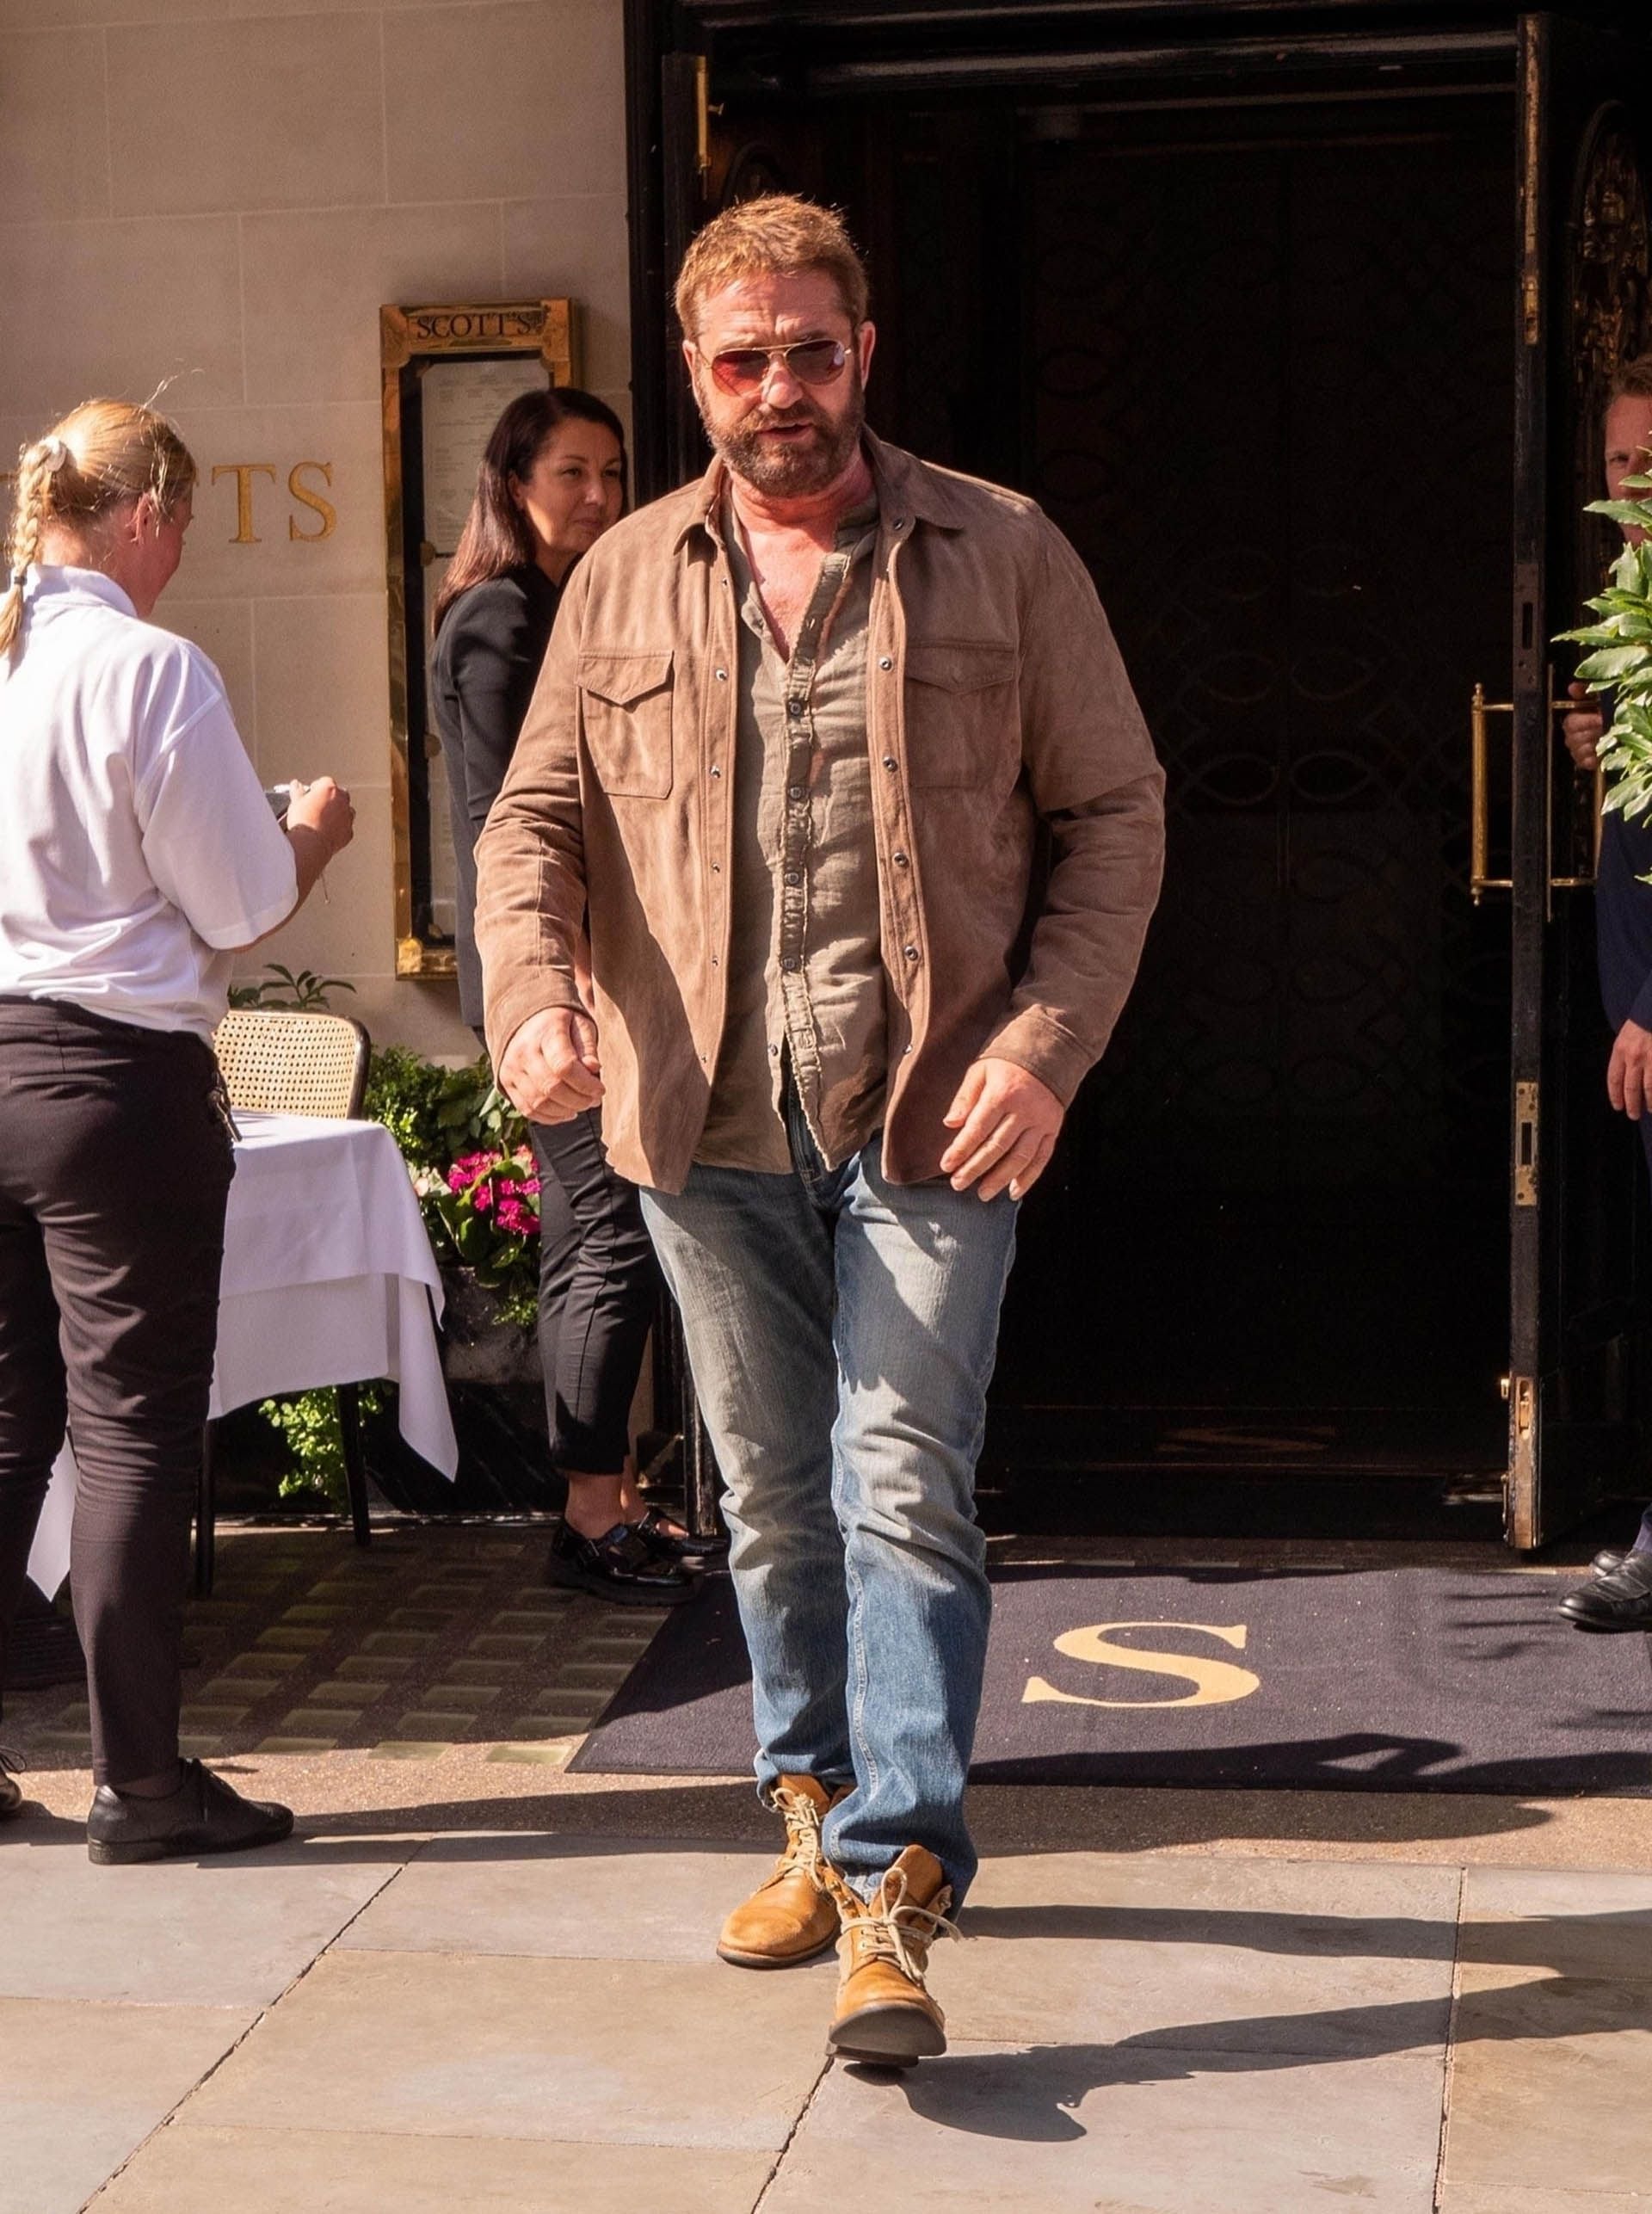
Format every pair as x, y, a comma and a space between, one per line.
625, 707
961, 722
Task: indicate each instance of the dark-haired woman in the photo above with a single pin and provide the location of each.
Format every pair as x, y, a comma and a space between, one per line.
552, 480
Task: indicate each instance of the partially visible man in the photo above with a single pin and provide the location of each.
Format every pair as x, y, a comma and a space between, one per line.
1618, 1595
799, 729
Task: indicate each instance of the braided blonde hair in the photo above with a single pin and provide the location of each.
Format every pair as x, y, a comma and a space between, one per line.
102, 455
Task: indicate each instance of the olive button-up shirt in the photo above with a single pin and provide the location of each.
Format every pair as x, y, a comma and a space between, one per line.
805, 963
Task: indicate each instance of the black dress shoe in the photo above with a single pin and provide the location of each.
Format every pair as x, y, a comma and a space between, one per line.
11, 1798
1607, 1563
652, 1531
621, 1565
1622, 1601
202, 1815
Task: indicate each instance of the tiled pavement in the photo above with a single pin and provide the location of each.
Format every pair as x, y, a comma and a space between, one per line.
520, 2013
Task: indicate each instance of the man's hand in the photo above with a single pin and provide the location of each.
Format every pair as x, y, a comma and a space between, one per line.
550, 1071
1584, 728
1007, 1123
1629, 1072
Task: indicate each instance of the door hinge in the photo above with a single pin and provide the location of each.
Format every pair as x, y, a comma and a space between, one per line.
1525, 1145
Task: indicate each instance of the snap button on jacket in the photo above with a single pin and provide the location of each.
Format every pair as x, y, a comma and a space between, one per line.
996, 702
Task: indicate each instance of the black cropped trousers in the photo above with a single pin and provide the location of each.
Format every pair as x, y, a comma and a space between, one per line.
115, 1162
598, 1285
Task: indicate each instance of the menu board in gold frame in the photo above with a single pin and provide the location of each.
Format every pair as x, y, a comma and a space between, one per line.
449, 372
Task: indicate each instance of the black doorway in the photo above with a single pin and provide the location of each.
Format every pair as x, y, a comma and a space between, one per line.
1264, 384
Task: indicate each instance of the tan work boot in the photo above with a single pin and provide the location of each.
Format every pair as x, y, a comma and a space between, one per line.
884, 2015
793, 1913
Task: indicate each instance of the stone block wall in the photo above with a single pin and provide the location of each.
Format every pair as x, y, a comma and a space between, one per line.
221, 193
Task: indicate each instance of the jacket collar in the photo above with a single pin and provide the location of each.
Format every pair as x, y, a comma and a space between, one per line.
908, 489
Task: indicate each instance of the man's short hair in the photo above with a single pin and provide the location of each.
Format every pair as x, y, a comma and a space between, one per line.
776, 235
1632, 379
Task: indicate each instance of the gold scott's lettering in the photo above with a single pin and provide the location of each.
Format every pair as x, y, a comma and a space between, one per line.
312, 517
312, 500
243, 473
1215, 1683
474, 324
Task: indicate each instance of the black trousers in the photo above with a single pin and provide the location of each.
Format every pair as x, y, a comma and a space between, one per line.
115, 1162
598, 1285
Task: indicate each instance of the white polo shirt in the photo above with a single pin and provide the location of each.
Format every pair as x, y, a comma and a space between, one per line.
137, 848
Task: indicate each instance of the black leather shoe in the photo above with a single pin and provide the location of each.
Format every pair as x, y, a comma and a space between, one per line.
11, 1798
202, 1815
1607, 1563
620, 1565
653, 1532
1622, 1601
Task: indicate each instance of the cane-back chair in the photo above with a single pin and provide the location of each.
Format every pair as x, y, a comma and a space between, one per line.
291, 1061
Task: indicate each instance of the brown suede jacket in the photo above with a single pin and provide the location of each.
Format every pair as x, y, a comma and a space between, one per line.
996, 701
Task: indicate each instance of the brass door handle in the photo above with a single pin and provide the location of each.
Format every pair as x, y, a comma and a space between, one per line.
1480, 881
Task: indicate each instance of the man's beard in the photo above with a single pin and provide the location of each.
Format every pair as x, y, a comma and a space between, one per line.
792, 467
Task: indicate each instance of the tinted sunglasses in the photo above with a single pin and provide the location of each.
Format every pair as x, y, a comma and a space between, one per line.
745, 369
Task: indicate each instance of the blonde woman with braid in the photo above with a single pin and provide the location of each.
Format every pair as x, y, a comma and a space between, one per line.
137, 854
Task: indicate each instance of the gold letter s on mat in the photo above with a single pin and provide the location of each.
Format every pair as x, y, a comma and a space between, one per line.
1216, 1683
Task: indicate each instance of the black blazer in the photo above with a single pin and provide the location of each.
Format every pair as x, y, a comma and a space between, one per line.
483, 669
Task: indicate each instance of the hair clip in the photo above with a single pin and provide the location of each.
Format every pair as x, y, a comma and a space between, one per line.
55, 454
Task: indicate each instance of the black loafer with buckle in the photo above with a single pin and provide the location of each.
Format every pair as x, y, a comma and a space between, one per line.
621, 1564
652, 1531
11, 1798
204, 1814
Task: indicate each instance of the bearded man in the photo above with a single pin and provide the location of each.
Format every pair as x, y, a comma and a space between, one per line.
798, 732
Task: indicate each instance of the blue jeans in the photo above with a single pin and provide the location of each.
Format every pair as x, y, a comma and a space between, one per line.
841, 1331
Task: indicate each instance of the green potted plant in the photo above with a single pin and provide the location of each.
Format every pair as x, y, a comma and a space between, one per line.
1619, 658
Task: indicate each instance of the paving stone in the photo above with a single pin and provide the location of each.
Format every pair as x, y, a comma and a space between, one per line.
560, 1698
283, 1743
245, 1690
410, 1748
494, 1673
408, 1645
435, 2043
559, 1897
312, 1614
518, 1645
353, 1696
358, 1668
1594, 1924
555, 1754
284, 1637
188, 2169
84, 2086
1260, 1956
203, 1716
1109, 2128
264, 1661
1506, 2200
1551, 2079
458, 1698
176, 1933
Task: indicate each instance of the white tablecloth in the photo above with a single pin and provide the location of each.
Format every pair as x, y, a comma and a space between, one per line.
328, 1278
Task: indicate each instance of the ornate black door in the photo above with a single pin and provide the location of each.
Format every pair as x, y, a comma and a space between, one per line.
1579, 1309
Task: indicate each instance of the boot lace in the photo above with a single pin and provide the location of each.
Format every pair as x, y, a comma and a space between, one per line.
802, 1820
897, 1927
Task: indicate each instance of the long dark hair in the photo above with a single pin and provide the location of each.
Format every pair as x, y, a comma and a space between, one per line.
498, 535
